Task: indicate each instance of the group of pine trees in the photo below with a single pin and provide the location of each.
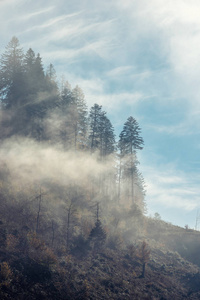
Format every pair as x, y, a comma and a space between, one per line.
33, 105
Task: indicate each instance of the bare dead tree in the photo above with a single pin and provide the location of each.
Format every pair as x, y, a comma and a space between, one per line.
53, 232
39, 198
69, 213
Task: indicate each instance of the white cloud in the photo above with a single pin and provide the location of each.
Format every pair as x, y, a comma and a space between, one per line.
176, 25
95, 93
50, 22
84, 36
188, 126
36, 13
68, 55
8, 2
113, 102
170, 190
119, 71
180, 129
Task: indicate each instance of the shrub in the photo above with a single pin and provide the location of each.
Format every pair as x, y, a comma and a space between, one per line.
143, 255
5, 273
97, 236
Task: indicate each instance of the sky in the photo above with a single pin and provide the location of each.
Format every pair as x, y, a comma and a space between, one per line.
136, 58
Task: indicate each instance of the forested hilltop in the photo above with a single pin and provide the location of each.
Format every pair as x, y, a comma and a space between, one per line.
39, 112
72, 222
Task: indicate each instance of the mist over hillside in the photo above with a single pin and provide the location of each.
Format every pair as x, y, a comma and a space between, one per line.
73, 198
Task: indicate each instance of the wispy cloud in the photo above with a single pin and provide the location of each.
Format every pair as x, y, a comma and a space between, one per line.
120, 71
176, 25
188, 126
66, 55
113, 102
6, 2
170, 190
180, 129
94, 90
36, 13
50, 22
83, 36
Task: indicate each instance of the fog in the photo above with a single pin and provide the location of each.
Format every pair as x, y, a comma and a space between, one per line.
30, 161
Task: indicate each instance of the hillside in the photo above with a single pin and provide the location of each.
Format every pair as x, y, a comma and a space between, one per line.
72, 198
38, 272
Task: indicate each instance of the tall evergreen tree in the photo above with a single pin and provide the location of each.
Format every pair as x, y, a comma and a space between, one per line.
29, 60
51, 79
12, 75
66, 100
95, 116
107, 137
34, 73
80, 117
130, 136
130, 141
39, 73
74, 117
44, 89
66, 94
30, 76
101, 135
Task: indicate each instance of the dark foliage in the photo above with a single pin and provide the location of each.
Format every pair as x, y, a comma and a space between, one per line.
97, 236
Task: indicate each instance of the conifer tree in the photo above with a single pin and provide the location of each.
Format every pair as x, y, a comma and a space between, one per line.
130, 136
101, 134
95, 117
29, 60
107, 136
29, 66
66, 95
74, 117
39, 73
97, 236
12, 75
79, 121
66, 100
51, 79
130, 141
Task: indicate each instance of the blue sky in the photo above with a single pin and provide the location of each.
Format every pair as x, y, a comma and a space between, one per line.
134, 57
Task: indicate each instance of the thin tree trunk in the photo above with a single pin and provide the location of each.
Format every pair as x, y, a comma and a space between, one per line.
38, 214
119, 184
132, 177
53, 233
143, 269
68, 224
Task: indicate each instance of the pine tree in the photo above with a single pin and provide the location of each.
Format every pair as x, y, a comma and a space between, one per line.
97, 236
39, 74
101, 134
29, 61
95, 116
80, 118
36, 111
130, 136
64, 112
66, 95
31, 79
12, 75
51, 79
107, 137
129, 141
